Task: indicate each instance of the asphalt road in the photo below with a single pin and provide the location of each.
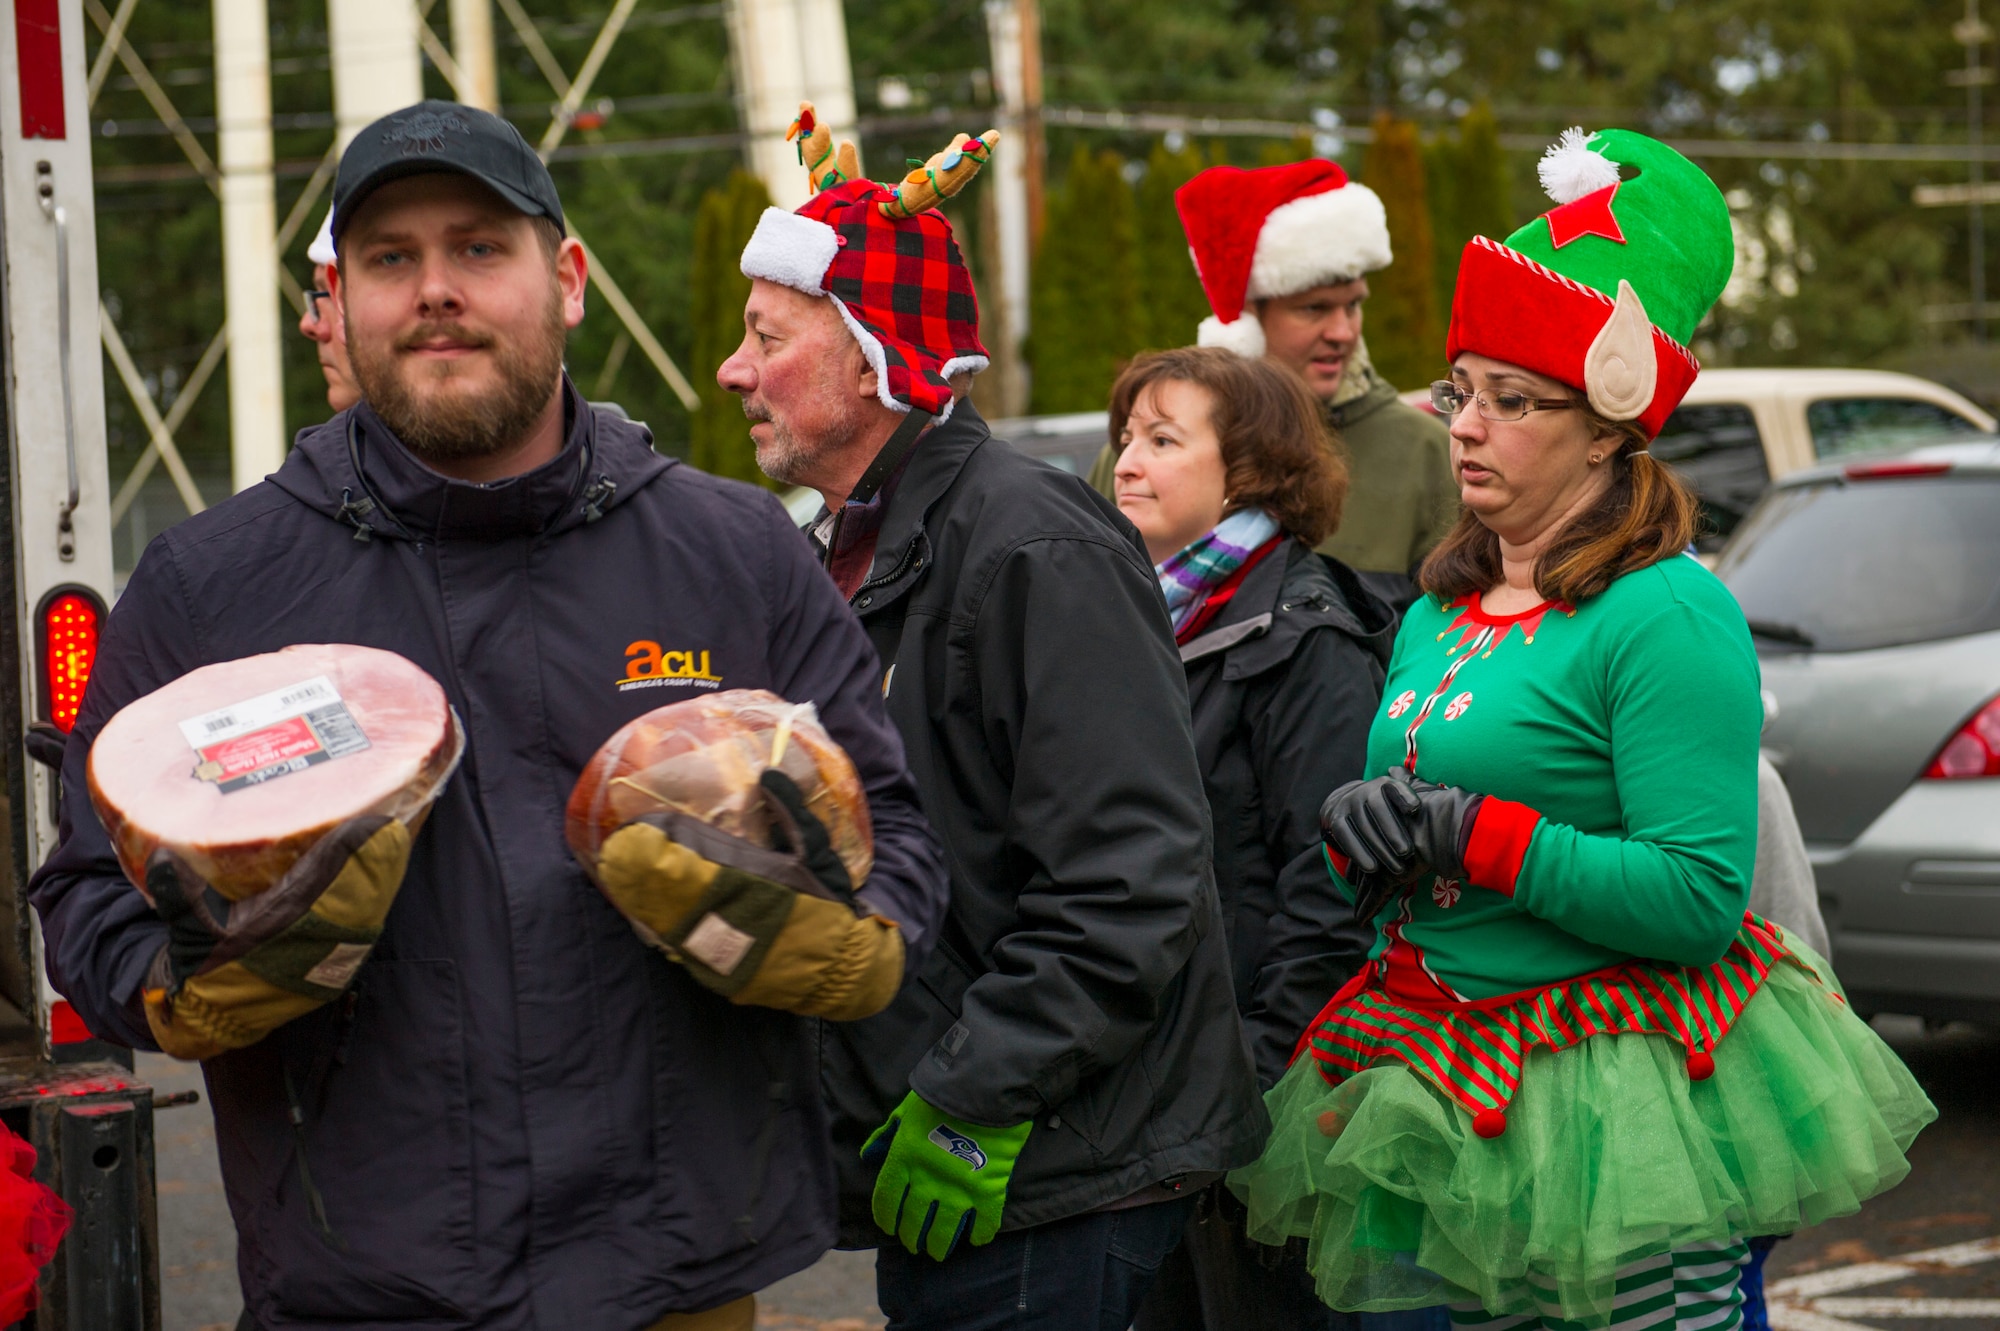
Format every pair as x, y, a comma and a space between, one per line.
1923, 1257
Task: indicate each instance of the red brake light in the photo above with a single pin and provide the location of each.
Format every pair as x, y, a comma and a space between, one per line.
69, 626
1884, 471
1973, 751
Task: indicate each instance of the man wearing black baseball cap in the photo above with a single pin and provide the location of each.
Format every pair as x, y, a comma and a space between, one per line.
517, 1114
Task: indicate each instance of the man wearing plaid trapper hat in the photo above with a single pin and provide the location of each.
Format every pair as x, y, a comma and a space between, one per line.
1284, 253
1067, 1069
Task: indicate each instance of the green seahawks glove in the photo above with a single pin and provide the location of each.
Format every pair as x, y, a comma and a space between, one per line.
941, 1176
230, 973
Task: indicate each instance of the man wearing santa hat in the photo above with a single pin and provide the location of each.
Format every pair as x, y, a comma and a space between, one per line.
1283, 253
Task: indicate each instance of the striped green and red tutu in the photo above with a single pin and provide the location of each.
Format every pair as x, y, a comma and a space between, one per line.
1516, 1151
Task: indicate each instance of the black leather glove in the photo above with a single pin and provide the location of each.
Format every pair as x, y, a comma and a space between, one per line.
1367, 824
1442, 826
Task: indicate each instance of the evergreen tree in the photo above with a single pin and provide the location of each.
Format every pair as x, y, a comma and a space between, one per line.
1405, 335
719, 437
1168, 285
1466, 173
1085, 312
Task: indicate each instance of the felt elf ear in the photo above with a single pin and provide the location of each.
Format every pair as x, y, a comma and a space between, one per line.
945, 174
1619, 371
825, 166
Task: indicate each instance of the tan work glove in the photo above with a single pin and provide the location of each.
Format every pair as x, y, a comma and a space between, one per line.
771, 928
225, 983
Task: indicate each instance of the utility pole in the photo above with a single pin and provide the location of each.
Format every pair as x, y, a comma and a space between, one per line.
1972, 33
1013, 34
472, 48
257, 440
786, 52
376, 65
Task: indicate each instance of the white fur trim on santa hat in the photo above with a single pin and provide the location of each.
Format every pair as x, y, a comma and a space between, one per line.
792, 251
1333, 236
1245, 337
320, 252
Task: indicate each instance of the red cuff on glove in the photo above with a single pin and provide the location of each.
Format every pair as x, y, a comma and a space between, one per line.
1499, 843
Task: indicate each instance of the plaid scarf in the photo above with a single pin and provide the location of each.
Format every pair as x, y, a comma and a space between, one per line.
1189, 575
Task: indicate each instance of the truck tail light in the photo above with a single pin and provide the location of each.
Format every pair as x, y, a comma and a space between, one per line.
1973, 751
70, 619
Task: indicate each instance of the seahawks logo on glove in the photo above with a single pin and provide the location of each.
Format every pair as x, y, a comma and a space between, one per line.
958, 1144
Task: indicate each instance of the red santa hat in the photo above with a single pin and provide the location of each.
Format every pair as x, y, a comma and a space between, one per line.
886, 259
1275, 231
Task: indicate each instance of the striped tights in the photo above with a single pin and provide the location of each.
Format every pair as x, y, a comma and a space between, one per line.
1689, 1289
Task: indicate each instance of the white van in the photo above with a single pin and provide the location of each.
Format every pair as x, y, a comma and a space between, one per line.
1738, 430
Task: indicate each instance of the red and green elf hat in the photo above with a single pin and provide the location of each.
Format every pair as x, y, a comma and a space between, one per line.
1603, 291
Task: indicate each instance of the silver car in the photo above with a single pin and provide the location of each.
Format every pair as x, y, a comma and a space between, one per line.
1873, 593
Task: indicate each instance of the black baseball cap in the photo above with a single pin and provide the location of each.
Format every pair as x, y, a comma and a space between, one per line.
435, 135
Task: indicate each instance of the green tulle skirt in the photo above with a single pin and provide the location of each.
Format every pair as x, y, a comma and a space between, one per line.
1610, 1154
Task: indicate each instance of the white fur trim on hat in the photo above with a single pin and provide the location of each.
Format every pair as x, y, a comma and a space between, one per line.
1245, 337
792, 251
1333, 236
320, 252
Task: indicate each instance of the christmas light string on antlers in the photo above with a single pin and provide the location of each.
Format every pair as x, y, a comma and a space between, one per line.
927, 185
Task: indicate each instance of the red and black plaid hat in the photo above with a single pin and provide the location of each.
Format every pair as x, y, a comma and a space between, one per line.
890, 265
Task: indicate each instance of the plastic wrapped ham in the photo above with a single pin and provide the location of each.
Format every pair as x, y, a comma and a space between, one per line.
703, 758
239, 767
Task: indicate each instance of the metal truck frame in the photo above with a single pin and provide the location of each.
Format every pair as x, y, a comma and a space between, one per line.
73, 1097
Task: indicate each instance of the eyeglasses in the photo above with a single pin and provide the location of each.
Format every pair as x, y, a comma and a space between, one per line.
313, 298
1450, 399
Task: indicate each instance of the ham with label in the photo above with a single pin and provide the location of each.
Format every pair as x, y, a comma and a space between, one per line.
239, 767
703, 758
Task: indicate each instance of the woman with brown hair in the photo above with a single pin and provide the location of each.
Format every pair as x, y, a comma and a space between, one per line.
1576, 1075
1225, 468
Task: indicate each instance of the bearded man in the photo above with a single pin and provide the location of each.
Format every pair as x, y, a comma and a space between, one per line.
517, 1114
1022, 1133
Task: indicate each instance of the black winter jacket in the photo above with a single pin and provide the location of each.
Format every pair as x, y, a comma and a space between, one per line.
1283, 685
519, 1116
1081, 978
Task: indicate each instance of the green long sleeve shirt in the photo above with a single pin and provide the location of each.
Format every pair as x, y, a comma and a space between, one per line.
1617, 746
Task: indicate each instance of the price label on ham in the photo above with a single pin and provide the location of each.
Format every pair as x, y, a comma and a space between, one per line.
274, 735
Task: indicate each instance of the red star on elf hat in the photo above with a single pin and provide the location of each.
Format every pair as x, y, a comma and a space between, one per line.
887, 261
1603, 291
1275, 231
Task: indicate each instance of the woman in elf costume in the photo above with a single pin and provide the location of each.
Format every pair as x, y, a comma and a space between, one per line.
1576, 1074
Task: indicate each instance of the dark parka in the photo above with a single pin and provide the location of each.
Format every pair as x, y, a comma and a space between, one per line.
1081, 978
519, 1116
1283, 685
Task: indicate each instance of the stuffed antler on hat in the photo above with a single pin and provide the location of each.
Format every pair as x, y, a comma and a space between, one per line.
886, 258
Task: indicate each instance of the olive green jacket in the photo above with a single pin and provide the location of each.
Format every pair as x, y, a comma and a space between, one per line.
1401, 498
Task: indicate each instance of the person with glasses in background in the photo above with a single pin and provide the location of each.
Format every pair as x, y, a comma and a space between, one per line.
1578, 1074
320, 321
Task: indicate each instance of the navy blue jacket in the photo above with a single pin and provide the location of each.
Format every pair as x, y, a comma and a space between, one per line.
519, 1116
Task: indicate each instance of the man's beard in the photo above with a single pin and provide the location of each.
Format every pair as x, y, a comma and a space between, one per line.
842, 415
782, 457
443, 426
